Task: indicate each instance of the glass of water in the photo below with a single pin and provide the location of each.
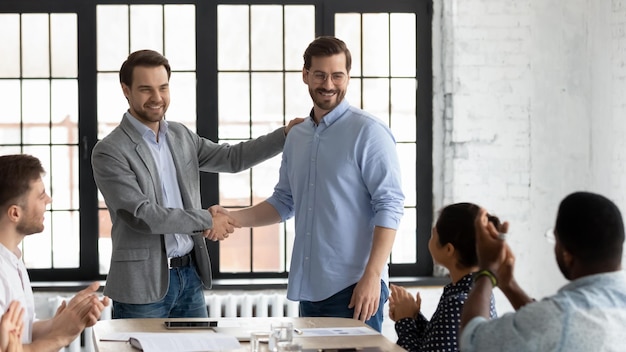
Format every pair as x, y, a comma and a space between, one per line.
257, 339
280, 332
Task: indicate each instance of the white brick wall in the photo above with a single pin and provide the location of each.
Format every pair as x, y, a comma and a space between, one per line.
530, 105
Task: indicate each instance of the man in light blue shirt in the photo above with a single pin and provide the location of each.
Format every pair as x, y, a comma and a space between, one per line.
340, 177
588, 314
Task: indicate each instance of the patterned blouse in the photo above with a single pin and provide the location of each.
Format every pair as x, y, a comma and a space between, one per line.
440, 333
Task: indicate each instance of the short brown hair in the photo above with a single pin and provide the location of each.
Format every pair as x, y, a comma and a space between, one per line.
147, 58
16, 173
326, 46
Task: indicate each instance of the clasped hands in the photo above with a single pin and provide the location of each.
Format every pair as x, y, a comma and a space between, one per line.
492, 250
223, 224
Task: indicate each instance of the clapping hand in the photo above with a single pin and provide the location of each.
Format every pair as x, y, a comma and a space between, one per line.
402, 304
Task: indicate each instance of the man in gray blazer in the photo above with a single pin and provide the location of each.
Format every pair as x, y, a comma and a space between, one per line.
148, 170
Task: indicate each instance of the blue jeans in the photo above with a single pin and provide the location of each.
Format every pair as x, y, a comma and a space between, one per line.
337, 306
184, 299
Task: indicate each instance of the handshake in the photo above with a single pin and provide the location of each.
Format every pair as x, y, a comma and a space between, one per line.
224, 223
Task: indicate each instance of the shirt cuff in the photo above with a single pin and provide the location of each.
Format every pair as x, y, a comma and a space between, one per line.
465, 342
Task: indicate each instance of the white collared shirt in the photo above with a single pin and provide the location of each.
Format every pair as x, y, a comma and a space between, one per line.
15, 286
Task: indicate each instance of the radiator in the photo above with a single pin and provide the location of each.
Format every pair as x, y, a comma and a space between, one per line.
252, 304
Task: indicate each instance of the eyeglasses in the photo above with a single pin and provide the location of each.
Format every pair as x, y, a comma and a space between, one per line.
321, 77
549, 235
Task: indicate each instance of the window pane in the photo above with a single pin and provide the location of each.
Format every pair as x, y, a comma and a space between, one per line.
267, 109
111, 103
43, 154
35, 55
64, 178
66, 239
10, 112
347, 28
183, 99
146, 27
36, 111
403, 44
376, 44
233, 46
63, 45
112, 27
180, 36
299, 32
235, 189
403, 109
297, 99
104, 239
234, 105
10, 45
354, 92
267, 244
376, 98
64, 111
264, 178
267, 34
408, 158
37, 248
235, 252
404, 246
10, 150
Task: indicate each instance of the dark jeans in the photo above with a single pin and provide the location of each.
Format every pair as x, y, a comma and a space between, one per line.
337, 306
184, 299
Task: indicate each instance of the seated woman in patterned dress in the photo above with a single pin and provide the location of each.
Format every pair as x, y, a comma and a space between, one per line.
452, 244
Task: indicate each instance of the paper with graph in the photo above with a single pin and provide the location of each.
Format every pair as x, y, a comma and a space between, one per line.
347, 331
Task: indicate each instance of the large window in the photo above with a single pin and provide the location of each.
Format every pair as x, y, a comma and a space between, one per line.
236, 74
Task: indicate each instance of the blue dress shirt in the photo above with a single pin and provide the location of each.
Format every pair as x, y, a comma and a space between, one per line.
588, 314
340, 178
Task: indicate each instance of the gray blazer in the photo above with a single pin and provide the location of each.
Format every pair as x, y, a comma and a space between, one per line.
126, 175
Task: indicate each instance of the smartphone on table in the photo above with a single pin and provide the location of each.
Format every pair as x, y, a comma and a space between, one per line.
189, 324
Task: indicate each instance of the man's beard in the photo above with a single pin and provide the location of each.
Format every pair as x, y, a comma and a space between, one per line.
28, 227
327, 105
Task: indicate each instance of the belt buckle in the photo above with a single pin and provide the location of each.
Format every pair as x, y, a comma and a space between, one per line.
169, 262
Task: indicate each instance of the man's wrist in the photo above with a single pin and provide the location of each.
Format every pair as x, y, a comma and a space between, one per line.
485, 274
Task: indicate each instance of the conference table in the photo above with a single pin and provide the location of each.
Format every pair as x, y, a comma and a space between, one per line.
243, 326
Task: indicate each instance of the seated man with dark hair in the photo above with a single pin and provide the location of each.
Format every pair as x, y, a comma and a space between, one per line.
23, 201
587, 314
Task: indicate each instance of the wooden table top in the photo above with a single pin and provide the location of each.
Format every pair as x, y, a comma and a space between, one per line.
107, 327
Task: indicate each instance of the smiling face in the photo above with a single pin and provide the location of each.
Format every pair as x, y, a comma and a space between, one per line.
327, 93
33, 207
149, 95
